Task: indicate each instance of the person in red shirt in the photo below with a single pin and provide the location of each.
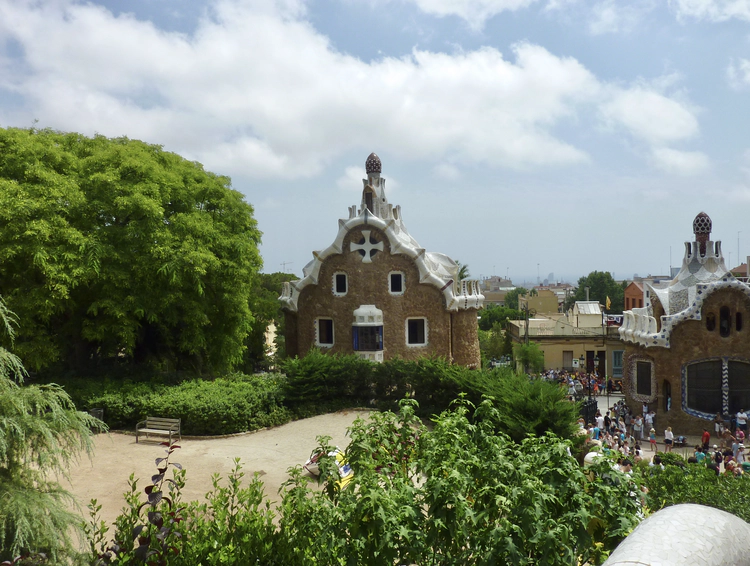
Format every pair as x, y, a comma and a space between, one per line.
705, 439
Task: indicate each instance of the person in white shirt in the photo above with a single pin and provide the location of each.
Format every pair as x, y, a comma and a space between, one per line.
599, 420
742, 420
668, 439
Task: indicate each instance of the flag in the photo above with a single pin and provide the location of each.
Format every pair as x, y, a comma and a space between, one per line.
609, 303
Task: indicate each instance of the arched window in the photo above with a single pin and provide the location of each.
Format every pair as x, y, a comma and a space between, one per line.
724, 322
710, 322
738, 321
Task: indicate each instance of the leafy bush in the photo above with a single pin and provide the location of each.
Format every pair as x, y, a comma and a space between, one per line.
457, 494
526, 406
695, 483
236, 403
320, 383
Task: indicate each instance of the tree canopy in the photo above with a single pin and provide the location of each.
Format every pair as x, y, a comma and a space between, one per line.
601, 285
114, 249
511, 297
491, 315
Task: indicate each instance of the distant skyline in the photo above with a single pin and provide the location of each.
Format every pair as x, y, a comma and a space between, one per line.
519, 136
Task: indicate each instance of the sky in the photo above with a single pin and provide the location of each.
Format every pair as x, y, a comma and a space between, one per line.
521, 137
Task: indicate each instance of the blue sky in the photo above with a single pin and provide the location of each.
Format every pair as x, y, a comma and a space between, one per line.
519, 136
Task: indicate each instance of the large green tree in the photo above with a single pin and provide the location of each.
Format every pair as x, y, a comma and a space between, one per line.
114, 249
601, 286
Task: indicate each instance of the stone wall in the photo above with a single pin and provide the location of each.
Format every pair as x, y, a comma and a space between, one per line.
690, 341
368, 283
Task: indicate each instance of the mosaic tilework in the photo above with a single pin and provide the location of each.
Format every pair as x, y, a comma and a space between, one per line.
686, 535
682, 298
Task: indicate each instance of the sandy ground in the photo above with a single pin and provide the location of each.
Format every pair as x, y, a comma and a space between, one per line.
269, 452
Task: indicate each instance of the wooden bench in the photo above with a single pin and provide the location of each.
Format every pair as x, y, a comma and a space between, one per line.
160, 426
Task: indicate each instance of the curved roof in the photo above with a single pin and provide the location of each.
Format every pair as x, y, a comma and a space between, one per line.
702, 273
435, 269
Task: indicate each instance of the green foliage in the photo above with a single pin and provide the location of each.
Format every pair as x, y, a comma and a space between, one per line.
601, 285
463, 271
41, 433
266, 310
233, 527
529, 356
695, 483
511, 297
151, 532
459, 493
492, 343
115, 251
494, 315
236, 403
529, 406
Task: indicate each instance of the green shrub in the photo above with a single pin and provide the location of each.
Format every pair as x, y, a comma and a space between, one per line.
695, 483
525, 406
457, 494
236, 403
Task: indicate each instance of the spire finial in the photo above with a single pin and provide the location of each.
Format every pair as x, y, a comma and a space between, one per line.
702, 230
373, 165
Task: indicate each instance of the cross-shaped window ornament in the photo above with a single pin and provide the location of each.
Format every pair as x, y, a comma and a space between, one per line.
367, 246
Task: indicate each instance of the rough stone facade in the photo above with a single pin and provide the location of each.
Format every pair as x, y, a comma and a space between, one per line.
356, 272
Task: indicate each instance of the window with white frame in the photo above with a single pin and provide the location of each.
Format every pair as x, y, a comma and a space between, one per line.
416, 331
340, 284
324, 332
396, 283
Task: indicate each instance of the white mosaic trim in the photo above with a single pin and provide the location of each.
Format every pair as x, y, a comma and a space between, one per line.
640, 328
435, 269
686, 535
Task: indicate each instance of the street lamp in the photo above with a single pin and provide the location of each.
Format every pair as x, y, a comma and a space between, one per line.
589, 416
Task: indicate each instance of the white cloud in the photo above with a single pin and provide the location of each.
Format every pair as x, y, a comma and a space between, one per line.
256, 91
610, 16
650, 115
738, 73
678, 162
712, 10
475, 12
351, 180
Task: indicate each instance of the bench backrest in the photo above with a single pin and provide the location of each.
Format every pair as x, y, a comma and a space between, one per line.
162, 423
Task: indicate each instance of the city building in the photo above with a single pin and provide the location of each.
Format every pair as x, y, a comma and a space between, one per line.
583, 338
494, 289
539, 301
634, 296
375, 292
687, 350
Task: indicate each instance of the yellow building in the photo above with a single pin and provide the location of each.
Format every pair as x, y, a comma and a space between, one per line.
565, 338
543, 301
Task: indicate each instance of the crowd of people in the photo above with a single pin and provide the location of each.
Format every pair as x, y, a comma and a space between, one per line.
577, 383
728, 455
621, 431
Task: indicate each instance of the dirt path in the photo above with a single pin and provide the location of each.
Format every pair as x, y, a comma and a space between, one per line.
269, 452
